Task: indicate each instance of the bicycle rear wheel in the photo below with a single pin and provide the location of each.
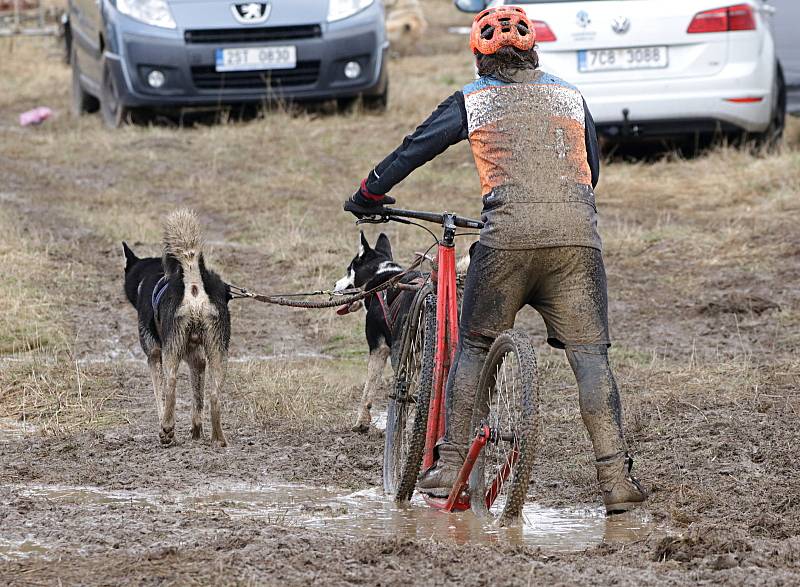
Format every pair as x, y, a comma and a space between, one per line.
407, 414
508, 401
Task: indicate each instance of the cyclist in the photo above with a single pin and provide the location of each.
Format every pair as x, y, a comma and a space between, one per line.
536, 152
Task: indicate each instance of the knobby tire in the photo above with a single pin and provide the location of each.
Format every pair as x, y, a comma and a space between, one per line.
400, 468
526, 423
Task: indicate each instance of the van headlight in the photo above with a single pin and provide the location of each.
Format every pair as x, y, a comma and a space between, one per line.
339, 9
152, 12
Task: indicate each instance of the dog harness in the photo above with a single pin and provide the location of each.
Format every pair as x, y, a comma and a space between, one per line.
158, 292
390, 311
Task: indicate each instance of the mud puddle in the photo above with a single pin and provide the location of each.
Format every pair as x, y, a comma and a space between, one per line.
23, 548
366, 513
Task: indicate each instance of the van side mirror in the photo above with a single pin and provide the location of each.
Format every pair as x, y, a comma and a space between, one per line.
470, 5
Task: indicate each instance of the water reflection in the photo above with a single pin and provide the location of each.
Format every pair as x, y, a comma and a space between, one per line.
366, 513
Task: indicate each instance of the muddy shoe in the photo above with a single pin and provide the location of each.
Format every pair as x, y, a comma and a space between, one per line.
439, 479
621, 490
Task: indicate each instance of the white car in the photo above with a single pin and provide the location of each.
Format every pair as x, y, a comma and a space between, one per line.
658, 69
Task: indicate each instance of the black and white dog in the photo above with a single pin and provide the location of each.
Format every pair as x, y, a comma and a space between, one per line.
386, 312
183, 316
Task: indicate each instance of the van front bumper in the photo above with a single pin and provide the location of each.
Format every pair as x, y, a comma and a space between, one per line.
191, 79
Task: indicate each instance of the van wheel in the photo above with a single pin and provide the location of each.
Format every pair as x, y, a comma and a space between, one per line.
114, 113
82, 102
378, 102
769, 140
344, 105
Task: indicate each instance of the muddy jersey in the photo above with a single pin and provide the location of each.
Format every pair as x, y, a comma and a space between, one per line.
536, 152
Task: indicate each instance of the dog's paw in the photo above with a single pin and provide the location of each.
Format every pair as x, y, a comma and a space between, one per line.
361, 428
219, 442
197, 432
167, 436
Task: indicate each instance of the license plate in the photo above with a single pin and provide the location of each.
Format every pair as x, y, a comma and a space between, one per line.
621, 59
256, 58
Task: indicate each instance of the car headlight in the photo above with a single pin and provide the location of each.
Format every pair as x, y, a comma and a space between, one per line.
152, 12
339, 9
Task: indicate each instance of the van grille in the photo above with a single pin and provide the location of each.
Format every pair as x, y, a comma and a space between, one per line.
207, 78
254, 35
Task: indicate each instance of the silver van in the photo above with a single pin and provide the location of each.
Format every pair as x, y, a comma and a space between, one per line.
132, 55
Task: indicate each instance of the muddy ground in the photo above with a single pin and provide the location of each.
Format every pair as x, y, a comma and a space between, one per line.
703, 258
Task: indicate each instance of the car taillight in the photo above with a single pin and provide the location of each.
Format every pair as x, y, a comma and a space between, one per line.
722, 20
710, 21
741, 18
544, 34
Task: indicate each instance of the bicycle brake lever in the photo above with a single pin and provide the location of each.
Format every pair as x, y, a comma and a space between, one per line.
381, 220
372, 220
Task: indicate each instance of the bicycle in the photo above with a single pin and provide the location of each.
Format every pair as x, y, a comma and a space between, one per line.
496, 473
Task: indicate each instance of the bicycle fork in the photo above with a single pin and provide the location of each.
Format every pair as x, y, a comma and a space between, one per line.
446, 341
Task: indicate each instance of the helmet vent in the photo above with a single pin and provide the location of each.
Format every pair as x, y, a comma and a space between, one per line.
495, 28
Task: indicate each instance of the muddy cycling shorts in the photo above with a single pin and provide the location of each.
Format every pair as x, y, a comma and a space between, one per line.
566, 285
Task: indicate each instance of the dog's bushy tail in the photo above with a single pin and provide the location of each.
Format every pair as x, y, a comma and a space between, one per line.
183, 242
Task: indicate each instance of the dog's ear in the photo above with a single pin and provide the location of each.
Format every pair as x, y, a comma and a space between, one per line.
383, 246
130, 256
363, 246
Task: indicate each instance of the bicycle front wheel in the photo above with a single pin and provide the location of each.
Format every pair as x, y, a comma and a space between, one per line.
407, 413
508, 402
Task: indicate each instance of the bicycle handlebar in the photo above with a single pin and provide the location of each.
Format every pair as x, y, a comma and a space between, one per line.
387, 214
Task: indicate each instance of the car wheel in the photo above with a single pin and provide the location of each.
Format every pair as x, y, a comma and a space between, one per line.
377, 102
82, 102
346, 104
65, 31
770, 139
115, 114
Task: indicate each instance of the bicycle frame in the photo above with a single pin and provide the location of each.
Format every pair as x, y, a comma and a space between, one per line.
446, 337
444, 275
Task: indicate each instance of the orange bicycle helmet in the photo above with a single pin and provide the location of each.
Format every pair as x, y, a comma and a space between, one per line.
495, 28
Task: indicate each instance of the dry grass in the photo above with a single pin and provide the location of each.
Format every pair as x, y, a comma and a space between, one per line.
28, 311
52, 395
301, 395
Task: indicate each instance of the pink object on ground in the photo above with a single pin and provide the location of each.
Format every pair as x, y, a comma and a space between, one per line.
35, 116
